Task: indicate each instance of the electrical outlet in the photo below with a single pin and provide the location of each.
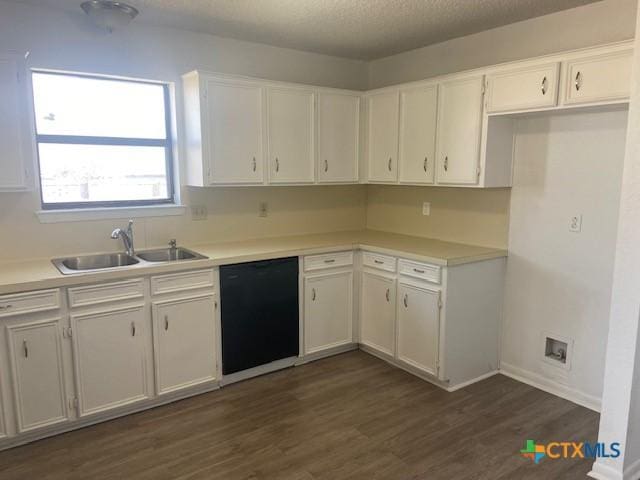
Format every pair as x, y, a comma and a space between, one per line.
575, 223
426, 208
263, 210
198, 212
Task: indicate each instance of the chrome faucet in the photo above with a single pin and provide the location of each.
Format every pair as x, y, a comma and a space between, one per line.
127, 238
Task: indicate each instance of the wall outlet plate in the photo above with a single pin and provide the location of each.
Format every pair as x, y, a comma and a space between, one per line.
426, 208
198, 212
575, 223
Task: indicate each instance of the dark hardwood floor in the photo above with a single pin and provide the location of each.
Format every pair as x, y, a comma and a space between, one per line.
350, 416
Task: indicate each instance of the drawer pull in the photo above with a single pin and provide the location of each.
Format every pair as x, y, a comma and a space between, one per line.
5, 307
133, 329
166, 323
379, 262
25, 347
417, 270
387, 295
406, 300
330, 260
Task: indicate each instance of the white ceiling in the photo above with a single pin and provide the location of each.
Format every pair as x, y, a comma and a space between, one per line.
361, 29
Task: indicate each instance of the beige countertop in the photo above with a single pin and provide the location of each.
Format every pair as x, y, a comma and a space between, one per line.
25, 275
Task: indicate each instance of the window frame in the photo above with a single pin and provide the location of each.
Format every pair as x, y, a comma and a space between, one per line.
167, 143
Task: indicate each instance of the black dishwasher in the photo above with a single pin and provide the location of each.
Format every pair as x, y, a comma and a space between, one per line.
259, 313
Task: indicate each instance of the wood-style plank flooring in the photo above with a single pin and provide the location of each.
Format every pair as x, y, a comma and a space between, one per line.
350, 416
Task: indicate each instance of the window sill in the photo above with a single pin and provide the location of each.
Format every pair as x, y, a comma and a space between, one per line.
85, 214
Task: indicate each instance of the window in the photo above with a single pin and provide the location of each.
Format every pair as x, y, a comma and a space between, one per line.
102, 142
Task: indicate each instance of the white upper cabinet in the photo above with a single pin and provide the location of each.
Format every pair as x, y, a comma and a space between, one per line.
383, 137
603, 78
290, 127
459, 130
338, 128
234, 132
418, 113
15, 131
523, 89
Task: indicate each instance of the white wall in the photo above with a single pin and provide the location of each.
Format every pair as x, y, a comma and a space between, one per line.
594, 24
59, 40
557, 281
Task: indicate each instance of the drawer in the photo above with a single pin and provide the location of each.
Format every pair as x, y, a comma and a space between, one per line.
423, 271
381, 262
106, 292
328, 260
179, 282
31, 302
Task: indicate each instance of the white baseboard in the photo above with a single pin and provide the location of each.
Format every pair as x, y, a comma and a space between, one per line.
600, 471
632, 472
472, 381
257, 371
543, 383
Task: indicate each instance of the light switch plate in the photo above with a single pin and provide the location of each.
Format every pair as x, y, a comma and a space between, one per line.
575, 223
426, 208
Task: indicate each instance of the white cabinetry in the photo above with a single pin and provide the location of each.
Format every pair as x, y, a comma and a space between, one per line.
110, 352
378, 312
35, 353
328, 303
185, 342
523, 89
338, 137
418, 109
418, 327
383, 137
291, 135
601, 78
15, 130
459, 130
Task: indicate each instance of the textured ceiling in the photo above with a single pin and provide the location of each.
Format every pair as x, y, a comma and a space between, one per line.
362, 29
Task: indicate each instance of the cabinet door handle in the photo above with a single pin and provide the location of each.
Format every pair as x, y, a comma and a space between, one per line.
330, 260
5, 307
543, 86
406, 300
254, 164
326, 165
578, 82
277, 165
166, 323
417, 270
446, 164
25, 348
424, 166
133, 329
387, 295
313, 294
389, 163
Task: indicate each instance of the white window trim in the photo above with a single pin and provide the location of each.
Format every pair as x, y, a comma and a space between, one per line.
84, 214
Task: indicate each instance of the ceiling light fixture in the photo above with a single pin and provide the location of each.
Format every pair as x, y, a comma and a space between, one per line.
108, 14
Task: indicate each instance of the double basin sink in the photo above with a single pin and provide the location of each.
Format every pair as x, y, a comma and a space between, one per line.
99, 262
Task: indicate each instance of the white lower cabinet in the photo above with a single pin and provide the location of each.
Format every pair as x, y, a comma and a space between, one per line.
378, 312
328, 310
35, 354
184, 342
110, 356
418, 327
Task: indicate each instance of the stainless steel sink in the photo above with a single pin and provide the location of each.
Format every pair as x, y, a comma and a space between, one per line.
90, 263
169, 255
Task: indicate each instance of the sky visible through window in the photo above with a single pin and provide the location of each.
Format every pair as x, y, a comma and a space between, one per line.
100, 141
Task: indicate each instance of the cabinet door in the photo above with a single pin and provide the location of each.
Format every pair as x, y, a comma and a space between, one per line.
378, 312
328, 320
291, 128
599, 79
233, 125
185, 343
110, 358
38, 375
418, 109
383, 137
534, 87
338, 134
14, 124
418, 327
459, 128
